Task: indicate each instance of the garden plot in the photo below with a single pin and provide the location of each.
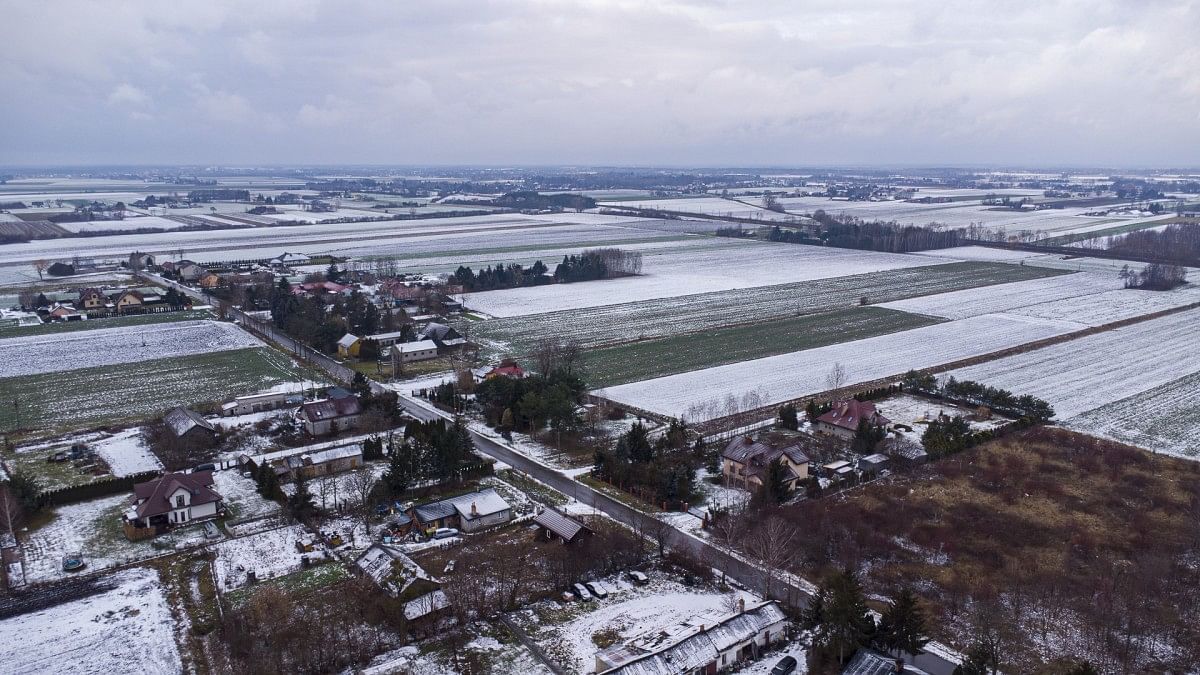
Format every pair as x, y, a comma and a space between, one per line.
1004, 297
241, 497
128, 629
93, 528
268, 554
671, 316
126, 453
627, 613
702, 394
110, 346
669, 275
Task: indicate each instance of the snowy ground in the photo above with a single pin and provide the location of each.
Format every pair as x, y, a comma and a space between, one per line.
126, 453
241, 497
1003, 297
630, 610
1082, 377
747, 207
700, 394
268, 554
60, 352
92, 528
337, 488
671, 274
128, 629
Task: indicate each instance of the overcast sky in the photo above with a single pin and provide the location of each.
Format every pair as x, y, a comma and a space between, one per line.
706, 82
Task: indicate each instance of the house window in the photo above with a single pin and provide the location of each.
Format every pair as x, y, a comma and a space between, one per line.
179, 501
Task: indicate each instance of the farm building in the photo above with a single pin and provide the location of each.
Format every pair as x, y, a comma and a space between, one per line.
387, 339
407, 352
471, 512
285, 259
843, 419
292, 462
330, 415
701, 644
745, 461
173, 499
441, 335
349, 345
244, 405
554, 525
187, 424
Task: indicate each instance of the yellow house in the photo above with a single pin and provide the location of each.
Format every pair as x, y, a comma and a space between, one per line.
209, 280
745, 462
349, 345
129, 301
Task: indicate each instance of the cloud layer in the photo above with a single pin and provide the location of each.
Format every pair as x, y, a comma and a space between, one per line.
713, 82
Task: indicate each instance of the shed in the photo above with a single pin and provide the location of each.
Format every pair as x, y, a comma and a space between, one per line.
553, 524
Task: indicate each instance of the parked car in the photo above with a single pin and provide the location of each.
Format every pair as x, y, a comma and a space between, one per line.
205, 467
784, 666
445, 533
582, 593
637, 577
597, 589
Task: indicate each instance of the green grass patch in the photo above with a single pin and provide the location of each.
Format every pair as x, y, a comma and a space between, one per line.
618, 494
538, 491
294, 584
114, 322
693, 351
49, 475
104, 395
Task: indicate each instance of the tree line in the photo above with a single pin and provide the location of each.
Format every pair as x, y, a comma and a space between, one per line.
663, 470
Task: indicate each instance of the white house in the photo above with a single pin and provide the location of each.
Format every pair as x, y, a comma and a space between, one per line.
471, 512
171, 500
408, 352
290, 259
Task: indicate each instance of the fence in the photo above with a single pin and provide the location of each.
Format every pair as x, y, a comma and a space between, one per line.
101, 488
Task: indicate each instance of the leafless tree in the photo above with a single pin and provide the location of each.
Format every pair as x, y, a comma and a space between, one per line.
836, 378
10, 512
40, 266
27, 298
772, 544
661, 531
361, 482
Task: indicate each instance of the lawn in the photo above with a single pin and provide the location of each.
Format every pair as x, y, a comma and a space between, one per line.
681, 353
114, 322
1069, 545
104, 395
610, 324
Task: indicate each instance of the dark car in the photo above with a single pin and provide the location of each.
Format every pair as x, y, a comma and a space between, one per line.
786, 665
205, 467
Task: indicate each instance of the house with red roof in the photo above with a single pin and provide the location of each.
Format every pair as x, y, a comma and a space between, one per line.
507, 368
843, 418
171, 500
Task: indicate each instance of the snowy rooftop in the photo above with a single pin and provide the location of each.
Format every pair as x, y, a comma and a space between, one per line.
420, 346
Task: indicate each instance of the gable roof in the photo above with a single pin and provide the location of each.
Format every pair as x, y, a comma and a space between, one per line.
437, 332
412, 347
181, 421
486, 503
848, 413
153, 497
870, 662
560, 524
347, 340
331, 408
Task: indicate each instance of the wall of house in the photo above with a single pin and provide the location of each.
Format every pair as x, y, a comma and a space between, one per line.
208, 510
491, 520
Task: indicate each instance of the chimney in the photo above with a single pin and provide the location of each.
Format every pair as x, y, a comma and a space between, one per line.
741, 605
474, 511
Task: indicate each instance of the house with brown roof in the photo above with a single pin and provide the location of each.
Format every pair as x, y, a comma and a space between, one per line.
746, 461
92, 300
129, 302
171, 500
843, 418
554, 524
188, 424
330, 415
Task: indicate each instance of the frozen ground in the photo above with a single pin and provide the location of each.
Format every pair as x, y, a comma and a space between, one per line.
59, 352
128, 629
126, 453
1094, 382
671, 274
701, 394
268, 554
1003, 297
747, 207
126, 224
241, 497
629, 610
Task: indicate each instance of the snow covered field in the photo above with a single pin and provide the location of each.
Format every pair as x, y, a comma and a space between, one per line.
1004, 297
128, 629
748, 207
126, 224
779, 378
1109, 369
58, 352
268, 554
126, 453
667, 275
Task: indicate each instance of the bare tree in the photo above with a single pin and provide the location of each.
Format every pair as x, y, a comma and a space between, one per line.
661, 531
40, 266
361, 482
27, 298
772, 544
836, 378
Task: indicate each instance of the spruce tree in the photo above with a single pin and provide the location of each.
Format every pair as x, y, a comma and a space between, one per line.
777, 481
788, 419
902, 626
848, 625
301, 502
